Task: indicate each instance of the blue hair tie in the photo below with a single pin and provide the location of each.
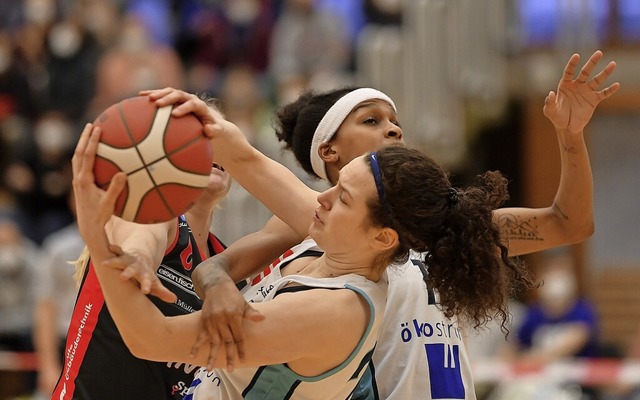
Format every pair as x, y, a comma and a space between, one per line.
377, 177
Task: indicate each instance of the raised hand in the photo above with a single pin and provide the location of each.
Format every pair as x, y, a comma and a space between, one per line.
94, 206
572, 106
223, 134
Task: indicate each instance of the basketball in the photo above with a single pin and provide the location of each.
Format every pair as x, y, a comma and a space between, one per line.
167, 159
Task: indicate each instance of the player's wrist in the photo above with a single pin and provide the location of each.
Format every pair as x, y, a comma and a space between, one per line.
211, 273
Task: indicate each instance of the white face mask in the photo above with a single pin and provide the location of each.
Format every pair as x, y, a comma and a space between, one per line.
53, 135
558, 287
64, 40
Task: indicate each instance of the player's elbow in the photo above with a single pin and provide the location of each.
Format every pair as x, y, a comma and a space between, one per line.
589, 229
578, 228
139, 347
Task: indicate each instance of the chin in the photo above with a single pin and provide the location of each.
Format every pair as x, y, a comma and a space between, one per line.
314, 234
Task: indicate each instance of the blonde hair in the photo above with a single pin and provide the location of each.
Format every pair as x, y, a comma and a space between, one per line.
80, 266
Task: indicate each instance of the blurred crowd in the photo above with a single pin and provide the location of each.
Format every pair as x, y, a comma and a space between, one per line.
62, 62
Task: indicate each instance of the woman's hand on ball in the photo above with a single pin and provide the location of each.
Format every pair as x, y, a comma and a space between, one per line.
94, 206
224, 134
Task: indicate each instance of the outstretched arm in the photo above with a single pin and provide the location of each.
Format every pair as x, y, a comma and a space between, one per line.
570, 218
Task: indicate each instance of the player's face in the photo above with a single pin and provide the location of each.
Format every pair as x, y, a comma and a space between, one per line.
342, 220
370, 126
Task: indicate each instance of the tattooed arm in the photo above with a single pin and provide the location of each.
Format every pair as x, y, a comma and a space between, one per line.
570, 218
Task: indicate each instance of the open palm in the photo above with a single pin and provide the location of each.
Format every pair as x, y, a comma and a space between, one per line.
573, 105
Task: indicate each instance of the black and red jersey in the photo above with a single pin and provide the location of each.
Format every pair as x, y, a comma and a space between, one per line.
97, 363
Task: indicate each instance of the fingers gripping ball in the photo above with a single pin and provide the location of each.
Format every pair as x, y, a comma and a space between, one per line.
167, 160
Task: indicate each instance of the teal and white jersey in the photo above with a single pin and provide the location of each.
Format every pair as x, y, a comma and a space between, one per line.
420, 354
278, 381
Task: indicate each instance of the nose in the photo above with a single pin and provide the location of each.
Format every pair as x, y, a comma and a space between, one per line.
324, 198
394, 132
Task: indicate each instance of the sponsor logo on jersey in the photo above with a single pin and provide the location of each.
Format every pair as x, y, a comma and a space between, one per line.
417, 329
71, 351
182, 281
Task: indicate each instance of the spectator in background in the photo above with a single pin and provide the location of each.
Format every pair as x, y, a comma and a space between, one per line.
38, 175
310, 50
15, 96
72, 53
55, 293
18, 256
562, 323
352, 15
155, 16
133, 63
214, 38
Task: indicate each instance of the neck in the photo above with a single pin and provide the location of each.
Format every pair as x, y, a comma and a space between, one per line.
200, 217
327, 266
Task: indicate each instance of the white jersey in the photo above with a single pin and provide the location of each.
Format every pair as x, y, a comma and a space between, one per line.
420, 353
278, 381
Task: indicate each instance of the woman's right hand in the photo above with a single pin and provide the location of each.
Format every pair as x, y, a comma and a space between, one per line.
216, 127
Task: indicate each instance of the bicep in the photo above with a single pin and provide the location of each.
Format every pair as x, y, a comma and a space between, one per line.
302, 325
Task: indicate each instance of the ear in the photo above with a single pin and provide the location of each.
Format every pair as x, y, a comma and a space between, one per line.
385, 239
328, 153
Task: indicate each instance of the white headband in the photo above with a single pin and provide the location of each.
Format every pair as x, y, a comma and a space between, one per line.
334, 117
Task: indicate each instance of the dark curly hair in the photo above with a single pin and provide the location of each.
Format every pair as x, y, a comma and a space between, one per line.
467, 261
297, 121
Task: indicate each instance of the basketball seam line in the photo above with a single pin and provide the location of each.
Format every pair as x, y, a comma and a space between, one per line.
135, 145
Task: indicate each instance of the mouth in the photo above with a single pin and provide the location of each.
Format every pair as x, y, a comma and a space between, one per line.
316, 218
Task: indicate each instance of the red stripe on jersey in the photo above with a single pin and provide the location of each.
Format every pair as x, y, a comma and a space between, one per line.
218, 246
83, 323
265, 272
